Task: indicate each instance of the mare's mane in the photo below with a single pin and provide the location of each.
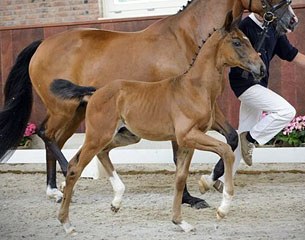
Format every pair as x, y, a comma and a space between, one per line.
184, 7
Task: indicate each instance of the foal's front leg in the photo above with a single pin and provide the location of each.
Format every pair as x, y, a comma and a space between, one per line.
198, 140
222, 126
184, 157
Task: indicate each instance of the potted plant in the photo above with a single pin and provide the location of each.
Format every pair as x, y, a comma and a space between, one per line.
293, 135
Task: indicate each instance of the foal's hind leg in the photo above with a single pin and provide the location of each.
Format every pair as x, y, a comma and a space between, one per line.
75, 168
99, 134
195, 202
122, 138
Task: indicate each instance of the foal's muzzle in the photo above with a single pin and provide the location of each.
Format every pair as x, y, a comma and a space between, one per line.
259, 73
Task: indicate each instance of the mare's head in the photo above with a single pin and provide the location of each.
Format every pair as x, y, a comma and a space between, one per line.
235, 50
278, 12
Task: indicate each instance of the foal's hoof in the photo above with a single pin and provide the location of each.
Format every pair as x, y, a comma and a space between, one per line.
62, 186
114, 209
205, 184
69, 229
220, 214
186, 227
195, 202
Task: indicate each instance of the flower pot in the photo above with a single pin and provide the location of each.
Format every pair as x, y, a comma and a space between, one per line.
26, 144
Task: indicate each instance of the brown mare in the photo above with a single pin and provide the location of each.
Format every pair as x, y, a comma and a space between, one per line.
96, 57
179, 109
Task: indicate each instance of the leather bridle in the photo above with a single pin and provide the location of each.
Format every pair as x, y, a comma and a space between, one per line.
269, 16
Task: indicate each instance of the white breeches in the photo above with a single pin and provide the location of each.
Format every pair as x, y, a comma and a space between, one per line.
254, 101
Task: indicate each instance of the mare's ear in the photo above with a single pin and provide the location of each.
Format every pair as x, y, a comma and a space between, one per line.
228, 21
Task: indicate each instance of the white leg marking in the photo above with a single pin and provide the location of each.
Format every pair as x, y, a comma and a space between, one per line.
54, 193
225, 204
69, 229
118, 188
186, 227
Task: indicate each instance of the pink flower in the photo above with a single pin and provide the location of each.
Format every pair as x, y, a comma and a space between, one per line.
297, 124
30, 130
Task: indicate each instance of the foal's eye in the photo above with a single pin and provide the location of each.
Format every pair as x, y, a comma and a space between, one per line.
236, 43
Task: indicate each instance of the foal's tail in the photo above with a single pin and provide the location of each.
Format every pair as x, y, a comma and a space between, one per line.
18, 100
65, 89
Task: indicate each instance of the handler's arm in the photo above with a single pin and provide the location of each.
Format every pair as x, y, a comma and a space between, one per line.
300, 59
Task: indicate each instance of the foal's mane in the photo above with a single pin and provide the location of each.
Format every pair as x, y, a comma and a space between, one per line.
197, 52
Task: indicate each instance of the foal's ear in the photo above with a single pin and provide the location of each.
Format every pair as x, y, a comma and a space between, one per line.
228, 21
231, 23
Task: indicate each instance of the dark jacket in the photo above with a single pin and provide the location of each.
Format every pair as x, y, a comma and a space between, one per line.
240, 80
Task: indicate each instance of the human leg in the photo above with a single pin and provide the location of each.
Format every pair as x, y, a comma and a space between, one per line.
253, 102
280, 113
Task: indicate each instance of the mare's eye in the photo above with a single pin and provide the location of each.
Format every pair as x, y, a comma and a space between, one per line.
236, 43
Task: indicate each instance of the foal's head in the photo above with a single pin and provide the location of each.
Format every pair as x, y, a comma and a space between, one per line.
235, 50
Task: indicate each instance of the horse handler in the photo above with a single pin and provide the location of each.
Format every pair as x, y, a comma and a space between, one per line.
256, 98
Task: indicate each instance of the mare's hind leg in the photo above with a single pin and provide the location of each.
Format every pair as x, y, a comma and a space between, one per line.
222, 126
184, 157
122, 138
55, 131
198, 140
187, 198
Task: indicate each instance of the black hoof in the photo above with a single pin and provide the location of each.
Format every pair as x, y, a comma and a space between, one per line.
195, 202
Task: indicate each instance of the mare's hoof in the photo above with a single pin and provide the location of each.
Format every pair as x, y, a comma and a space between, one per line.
58, 199
114, 209
54, 193
195, 202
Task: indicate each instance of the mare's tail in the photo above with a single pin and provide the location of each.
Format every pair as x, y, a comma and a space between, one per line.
65, 89
18, 100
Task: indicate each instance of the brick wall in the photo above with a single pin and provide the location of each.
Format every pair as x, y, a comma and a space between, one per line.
31, 12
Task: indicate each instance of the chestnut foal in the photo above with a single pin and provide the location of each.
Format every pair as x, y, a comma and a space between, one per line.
96, 57
176, 109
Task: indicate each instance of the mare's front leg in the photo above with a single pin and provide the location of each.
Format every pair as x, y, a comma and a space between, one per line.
187, 198
222, 126
194, 138
184, 157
